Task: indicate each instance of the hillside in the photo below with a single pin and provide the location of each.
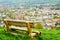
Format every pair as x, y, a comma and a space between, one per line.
27, 2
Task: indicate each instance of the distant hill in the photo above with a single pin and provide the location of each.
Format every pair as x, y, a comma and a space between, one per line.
28, 2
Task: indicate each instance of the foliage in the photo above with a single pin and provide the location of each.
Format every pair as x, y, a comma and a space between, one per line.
35, 15
55, 8
58, 27
39, 26
10, 15
56, 17
0, 20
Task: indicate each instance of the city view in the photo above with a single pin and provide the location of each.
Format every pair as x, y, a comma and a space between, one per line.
42, 14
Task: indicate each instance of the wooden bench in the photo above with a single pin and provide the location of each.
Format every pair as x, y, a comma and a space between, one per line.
21, 25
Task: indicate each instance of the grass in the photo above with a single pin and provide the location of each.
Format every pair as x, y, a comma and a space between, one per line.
46, 35
51, 35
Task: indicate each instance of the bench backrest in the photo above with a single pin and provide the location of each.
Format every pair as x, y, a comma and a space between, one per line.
20, 23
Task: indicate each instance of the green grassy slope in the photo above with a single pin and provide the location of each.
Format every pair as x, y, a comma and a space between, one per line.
46, 35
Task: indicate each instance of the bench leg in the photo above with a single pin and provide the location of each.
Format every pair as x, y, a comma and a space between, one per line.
7, 29
33, 38
39, 36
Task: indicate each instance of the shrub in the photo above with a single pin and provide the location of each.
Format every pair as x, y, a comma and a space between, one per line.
56, 17
0, 20
39, 26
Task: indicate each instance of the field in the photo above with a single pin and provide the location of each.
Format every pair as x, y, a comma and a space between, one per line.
46, 35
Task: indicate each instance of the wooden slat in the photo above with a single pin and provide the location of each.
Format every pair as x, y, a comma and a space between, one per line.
15, 24
19, 28
19, 23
